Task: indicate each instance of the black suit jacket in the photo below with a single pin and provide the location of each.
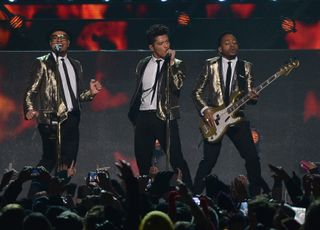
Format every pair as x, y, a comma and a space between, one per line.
176, 78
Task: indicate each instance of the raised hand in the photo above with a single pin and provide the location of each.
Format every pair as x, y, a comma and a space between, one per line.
6, 178
25, 174
280, 172
200, 219
44, 175
125, 171
104, 181
71, 170
95, 87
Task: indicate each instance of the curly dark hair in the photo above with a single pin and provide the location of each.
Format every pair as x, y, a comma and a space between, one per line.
156, 30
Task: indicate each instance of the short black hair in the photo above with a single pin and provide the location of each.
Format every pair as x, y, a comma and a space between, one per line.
58, 28
221, 37
156, 30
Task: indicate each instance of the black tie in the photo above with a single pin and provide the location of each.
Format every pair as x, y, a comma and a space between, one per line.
156, 80
227, 91
73, 98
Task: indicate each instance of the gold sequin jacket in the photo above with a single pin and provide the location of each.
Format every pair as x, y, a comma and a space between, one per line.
209, 89
42, 93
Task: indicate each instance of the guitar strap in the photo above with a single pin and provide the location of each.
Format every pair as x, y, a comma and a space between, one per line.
241, 76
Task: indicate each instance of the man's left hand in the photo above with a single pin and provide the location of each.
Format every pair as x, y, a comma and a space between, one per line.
172, 54
95, 87
253, 95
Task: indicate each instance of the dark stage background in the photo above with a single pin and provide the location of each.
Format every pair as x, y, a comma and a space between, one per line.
287, 115
120, 25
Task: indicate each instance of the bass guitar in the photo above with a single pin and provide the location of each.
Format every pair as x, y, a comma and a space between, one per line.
224, 117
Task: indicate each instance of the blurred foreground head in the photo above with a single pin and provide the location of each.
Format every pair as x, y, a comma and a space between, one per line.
156, 220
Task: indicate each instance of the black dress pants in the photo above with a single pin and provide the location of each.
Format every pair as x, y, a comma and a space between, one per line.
240, 135
69, 147
69, 141
149, 128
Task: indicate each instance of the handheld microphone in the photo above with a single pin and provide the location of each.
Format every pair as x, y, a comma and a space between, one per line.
57, 48
168, 56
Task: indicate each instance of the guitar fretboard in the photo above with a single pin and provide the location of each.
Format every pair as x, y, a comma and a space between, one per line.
237, 105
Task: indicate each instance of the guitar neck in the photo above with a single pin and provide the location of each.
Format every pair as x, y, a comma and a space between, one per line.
237, 105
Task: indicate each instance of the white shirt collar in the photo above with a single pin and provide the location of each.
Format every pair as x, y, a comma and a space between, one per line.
154, 59
225, 60
55, 56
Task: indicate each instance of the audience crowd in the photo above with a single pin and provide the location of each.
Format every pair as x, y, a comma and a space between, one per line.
159, 201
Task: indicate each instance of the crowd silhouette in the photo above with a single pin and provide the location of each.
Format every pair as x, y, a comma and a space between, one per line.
157, 201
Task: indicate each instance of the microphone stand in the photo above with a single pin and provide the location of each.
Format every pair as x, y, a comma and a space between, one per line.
167, 103
58, 132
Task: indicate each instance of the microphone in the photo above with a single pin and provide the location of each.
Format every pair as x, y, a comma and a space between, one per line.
57, 48
167, 57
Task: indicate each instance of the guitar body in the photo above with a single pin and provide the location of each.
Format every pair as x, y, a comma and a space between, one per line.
223, 120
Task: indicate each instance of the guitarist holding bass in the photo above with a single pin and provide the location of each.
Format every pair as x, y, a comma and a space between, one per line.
221, 78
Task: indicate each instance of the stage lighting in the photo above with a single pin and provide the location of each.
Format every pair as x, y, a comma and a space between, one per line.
183, 19
288, 25
15, 21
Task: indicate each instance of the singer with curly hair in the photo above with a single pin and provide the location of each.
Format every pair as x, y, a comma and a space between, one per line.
154, 107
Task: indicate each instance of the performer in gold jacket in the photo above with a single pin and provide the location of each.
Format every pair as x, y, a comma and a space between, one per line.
54, 95
221, 77
150, 107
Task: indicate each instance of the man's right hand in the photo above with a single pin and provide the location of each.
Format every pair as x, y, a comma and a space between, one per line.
32, 114
208, 116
